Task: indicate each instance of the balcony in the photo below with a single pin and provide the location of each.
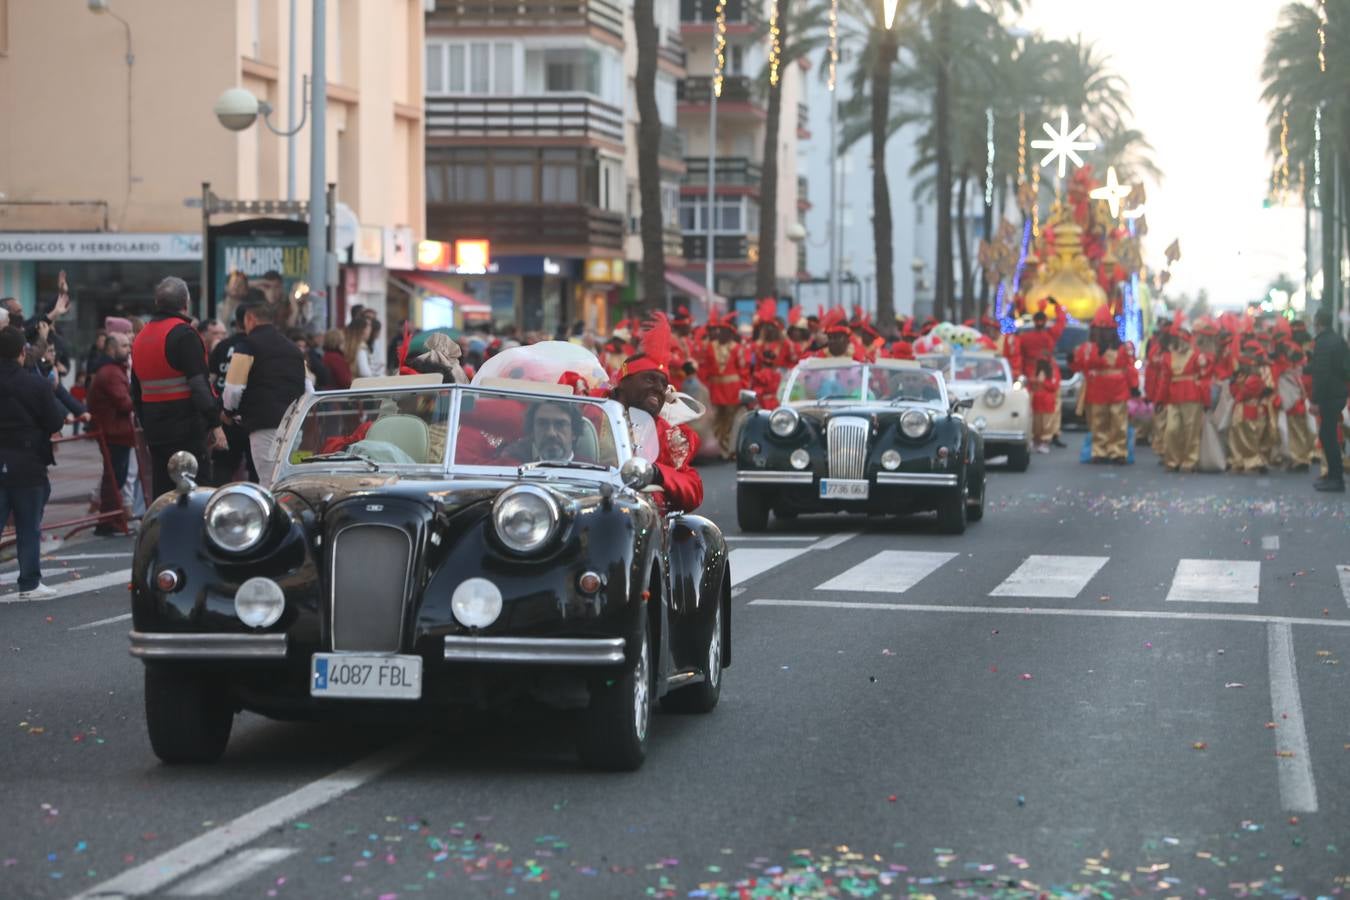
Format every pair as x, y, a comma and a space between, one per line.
570, 116
727, 247
803, 122
803, 193
532, 15
672, 143
527, 225
673, 242
671, 48
735, 89
732, 171
704, 12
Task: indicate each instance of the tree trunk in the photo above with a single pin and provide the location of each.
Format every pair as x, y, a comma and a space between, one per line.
883, 241
963, 245
766, 273
649, 159
983, 308
944, 288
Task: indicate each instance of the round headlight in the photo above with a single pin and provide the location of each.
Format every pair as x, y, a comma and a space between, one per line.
800, 459
236, 517
476, 603
259, 602
915, 423
890, 460
525, 517
980, 423
783, 421
994, 396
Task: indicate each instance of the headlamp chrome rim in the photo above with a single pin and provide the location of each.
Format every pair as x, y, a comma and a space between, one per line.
783, 421
550, 507
263, 505
994, 397
915, 424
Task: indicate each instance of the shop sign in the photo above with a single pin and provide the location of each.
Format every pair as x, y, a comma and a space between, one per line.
603, 270
399, 248
369, 247
472, 257
433, 256
99, 246
256, 256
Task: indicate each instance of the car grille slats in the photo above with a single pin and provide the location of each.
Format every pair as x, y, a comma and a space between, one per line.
369, 573
846, 438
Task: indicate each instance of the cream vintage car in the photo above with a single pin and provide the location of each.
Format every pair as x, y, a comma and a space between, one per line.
1001, 410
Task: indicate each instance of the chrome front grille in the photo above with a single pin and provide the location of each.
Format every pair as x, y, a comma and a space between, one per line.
846, 438
369, 587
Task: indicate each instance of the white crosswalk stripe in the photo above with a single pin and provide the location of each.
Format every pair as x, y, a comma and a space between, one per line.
1215, 581
231, 871
1050, 576
747, 562
889, 572
1344, 573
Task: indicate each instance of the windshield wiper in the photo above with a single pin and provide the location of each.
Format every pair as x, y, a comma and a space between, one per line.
560, 464
340, 457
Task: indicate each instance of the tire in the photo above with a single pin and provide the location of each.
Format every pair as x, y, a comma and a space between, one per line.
1019, 458
952, 512
702, 697
787, 515
616, 725
752, 509
975, 504
188, 721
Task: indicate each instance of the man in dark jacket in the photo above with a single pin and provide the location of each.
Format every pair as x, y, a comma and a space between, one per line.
29, 416
225, 461
110, 404
1330, 368
267, 374
169, 386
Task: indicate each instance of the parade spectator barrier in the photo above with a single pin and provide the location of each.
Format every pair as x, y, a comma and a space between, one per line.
72, 526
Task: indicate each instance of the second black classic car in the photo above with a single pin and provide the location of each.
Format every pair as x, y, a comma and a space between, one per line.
424, 547
877, 438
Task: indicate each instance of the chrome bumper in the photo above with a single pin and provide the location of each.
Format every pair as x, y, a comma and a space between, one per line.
1004, 436
550, 651
145, 645
770, 477
924, 479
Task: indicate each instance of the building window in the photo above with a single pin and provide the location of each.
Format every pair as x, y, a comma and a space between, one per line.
436, 68
734, 215
454, 81
514, 175
470, 68
479, 75
503, 69
737, 59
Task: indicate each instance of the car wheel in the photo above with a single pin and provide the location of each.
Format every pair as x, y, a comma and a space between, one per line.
752, 509
786, 515
975, 501
188, 721
952, 511
615, 726
1019, 458
702, 697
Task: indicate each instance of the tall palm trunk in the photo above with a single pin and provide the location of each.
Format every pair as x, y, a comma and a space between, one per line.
766, 273
942, 300
883, 242
963, 246
988, 231
649, 158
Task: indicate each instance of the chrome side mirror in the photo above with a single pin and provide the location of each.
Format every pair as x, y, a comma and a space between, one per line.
748, 398
967, 403
636, 473
183, 471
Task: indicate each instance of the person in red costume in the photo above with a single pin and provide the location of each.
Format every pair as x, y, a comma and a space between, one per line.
644, 382
1158, 345
1182, 389
839, 341
725, 369
1005, 345
684, 347
1247, 433
1044, 388
1040, 341
1110, 379
799, 333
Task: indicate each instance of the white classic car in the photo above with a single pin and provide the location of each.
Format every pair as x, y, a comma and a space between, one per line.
1001, 411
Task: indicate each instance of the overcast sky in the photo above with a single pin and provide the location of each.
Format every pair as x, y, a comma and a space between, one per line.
1193, 67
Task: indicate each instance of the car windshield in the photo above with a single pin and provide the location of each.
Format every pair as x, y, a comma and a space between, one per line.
979, 368
496, 429
862, 384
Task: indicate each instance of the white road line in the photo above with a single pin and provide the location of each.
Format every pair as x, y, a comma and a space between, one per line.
49, 574
109, 621
1344, 573
1215, 581
1044, 611
747, 562
83, 586
229, 872
1298, 793
731, 538
206, 848
833, 541
1050, 576
1270, 542
888, 572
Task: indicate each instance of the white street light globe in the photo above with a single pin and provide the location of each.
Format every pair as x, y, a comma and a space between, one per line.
236, 109
796, 232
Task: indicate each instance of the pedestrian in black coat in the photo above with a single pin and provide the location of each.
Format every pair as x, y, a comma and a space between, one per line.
1330, 368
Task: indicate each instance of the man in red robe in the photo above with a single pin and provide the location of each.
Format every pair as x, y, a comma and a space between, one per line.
839, 341
1040, 341
725, 370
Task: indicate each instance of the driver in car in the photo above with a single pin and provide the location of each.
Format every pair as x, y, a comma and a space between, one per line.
551, 433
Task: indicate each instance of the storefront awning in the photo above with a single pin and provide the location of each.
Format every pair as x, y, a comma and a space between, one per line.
693, 289
429, 284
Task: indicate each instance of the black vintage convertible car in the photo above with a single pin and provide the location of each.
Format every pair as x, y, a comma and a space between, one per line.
877, 438
424, 547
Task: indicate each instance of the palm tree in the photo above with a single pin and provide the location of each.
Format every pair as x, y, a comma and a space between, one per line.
649, 152
766, 271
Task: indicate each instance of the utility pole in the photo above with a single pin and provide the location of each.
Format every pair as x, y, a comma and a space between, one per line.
318, 154
290, 111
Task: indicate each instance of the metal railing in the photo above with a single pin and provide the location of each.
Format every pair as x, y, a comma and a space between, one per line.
735, 89
535, 14
527, 224
732, 171
536, 116
728, 247
704, 12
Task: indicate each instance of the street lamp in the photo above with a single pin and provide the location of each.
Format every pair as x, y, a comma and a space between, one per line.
101, 7
237, 110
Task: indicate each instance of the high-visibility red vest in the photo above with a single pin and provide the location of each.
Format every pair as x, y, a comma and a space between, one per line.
160, 382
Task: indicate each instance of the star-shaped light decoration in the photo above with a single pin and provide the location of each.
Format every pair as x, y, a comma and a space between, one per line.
1112, 192
1063, 144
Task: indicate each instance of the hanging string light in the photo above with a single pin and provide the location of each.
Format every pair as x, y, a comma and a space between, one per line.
834, 42
1021, 148
720, 48
1317, 158
1035, 203
989, 157
1322, 36
775, 44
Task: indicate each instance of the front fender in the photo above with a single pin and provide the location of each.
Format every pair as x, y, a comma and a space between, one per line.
699, 571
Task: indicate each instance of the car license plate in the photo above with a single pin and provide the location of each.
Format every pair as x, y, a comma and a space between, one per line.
373, 676
843, 489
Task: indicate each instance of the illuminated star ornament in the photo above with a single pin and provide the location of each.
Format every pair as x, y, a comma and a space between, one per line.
1112, 192
1063, 144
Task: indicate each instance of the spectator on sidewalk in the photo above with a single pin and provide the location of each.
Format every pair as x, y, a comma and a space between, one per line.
267, 374
111, 406
227, 460
335, 360
29, 416
1330, 370
169, 387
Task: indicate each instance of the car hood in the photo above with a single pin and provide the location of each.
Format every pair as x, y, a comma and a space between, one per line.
883, 412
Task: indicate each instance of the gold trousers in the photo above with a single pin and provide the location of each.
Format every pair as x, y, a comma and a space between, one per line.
1158, 432
1042, 427
1301, 440
1246, 444
1182, 446
724, 422
1109, 424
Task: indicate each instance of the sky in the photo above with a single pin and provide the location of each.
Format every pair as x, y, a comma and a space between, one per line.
1193, 67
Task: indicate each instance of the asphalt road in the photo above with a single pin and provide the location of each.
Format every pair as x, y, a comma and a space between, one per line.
1119, 683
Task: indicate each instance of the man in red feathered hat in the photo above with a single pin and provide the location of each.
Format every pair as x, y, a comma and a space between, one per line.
1182, 389
725, 370
684, 347
1247, 432
838, 338
769, 337
799, 333
1110, 378
644, 383
617, 349
1158, 345
1040, 341
1293, 392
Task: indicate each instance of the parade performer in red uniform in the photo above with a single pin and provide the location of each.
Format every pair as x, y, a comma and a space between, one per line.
1247, 433
1110, 378
725, 371
1181, 388
799, 333
839, 339
1039, 343
1044, 404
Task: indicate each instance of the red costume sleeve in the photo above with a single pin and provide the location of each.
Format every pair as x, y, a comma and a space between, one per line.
683, 485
